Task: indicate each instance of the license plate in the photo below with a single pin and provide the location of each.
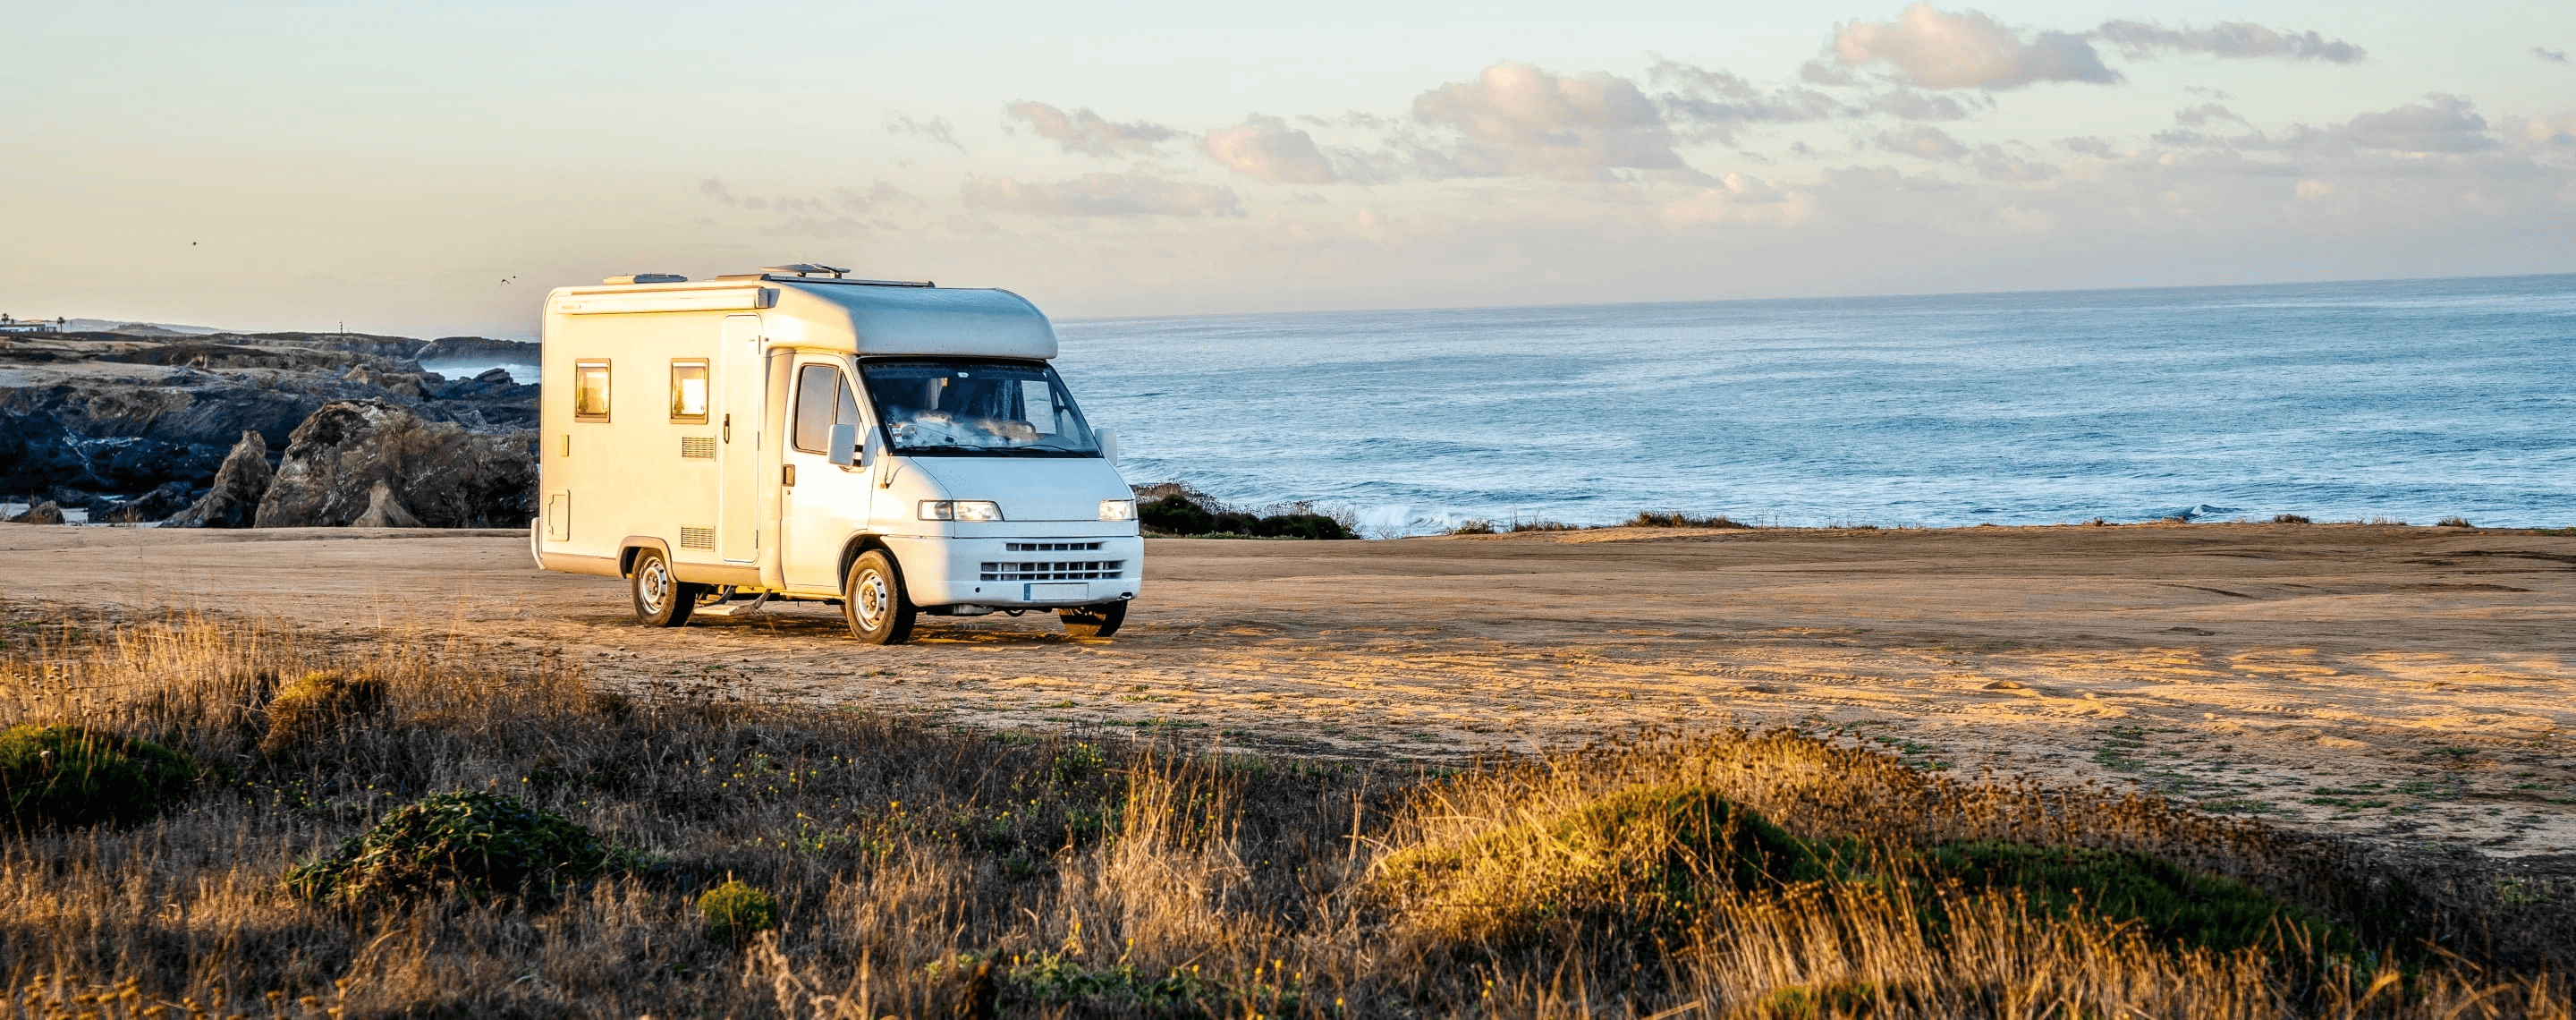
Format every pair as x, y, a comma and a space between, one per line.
1074, 592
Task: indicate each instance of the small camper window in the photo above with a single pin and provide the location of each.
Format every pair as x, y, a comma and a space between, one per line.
689, 392
590, 390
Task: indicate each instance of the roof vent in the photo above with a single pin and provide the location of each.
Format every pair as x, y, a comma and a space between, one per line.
648, 278
805, 269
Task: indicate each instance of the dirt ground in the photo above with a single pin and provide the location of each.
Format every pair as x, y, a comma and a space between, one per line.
2411, 684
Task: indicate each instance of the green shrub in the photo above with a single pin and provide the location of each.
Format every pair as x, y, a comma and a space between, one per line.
1314, 526
735, 911
316, 703
2167, 902
1676, 519
1175, 515
473, 844
1180, 515
1820, 1002
69, 776
1661, 853
1648, 852
2290, 519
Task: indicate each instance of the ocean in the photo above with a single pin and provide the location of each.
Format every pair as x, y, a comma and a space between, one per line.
2408, 400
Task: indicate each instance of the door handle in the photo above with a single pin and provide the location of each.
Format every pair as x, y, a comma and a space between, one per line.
728, 431
787, 475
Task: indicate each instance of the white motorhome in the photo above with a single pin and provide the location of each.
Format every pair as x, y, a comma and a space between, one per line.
897, 448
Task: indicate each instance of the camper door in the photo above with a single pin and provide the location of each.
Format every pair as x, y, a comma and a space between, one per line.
743, 381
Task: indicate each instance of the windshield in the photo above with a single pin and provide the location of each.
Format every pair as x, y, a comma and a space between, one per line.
977, 408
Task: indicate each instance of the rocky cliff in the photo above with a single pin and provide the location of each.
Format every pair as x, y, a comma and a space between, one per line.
137, 428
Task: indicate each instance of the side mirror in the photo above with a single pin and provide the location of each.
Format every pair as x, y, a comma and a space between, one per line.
1108, 444
844, 444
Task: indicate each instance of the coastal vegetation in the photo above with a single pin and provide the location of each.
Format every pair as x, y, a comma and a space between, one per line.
440, 834
1176, 509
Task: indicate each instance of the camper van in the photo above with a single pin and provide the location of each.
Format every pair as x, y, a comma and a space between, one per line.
892, 448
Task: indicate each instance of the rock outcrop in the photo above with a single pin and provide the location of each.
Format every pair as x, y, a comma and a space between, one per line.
239, 486
158, 504
47, 512
437, 474
476, 350
384, 511
103, 420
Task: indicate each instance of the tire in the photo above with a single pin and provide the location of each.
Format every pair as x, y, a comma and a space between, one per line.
661, 599
873, 600
1098, 620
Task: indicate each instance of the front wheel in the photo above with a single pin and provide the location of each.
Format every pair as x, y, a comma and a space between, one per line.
872, 599
661, 599
1099, 620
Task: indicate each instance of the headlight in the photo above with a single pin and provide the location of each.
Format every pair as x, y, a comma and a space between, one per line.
960, 510
1117, 509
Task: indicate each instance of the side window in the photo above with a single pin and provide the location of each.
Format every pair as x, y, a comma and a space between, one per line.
823, 399
689, 392
1038, 406
590, 390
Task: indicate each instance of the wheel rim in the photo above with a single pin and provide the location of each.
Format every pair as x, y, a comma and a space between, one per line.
871, 599
653, 585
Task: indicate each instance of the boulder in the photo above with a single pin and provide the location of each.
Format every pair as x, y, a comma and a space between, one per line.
150, 506
438, 474
384, 511
47, 512
240, 484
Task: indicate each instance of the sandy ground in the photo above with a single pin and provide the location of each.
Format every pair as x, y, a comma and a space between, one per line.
2411, 684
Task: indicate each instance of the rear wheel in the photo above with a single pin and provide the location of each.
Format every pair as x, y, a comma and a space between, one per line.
873, 600
661, 599
1099, 620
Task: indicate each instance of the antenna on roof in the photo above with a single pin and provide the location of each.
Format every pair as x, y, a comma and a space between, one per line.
805, 269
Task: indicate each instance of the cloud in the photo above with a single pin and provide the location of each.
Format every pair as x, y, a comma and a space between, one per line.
1907, 104
843, 212
1088, 133
1266, 148
1737, 198
1928, 47
2557, 130
2228, 39
2444, 124
1519, 120
2206, 113
1717, 104
936, 129
2550, 55
1101, 194
1921, 140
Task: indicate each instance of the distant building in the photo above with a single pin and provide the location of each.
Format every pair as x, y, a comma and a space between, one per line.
9, 324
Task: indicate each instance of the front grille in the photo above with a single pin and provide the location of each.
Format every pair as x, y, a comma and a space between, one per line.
1050, 546
698, 447
697, 538
1076, 570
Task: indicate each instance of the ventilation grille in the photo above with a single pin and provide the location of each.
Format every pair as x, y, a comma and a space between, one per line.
698, 447
1050, 546
1078, 570
697, 538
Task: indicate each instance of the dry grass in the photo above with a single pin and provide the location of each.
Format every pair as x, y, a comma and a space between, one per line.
924, 873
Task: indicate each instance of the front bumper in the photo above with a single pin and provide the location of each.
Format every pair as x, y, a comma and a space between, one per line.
1020, 572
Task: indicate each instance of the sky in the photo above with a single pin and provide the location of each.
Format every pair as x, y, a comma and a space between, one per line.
431, 169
